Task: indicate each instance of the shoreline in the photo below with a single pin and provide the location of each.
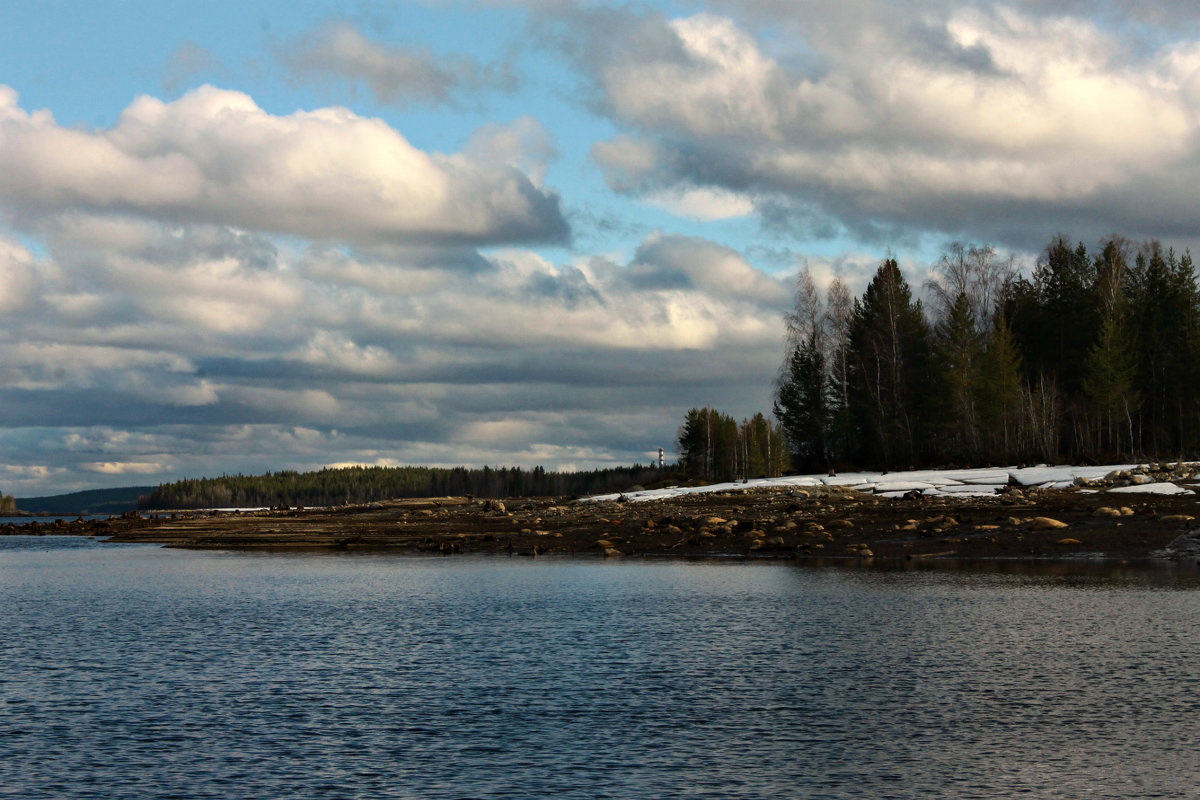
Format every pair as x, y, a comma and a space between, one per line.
827, 523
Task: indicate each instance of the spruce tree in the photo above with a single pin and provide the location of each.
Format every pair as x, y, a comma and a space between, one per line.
802, 407
999, 396
889, 371
959, 350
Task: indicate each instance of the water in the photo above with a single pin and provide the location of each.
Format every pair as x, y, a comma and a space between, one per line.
139, 672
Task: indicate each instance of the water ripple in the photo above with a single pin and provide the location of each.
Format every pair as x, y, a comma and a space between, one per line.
145, 673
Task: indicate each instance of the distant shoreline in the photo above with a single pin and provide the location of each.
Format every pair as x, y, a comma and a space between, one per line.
824, 523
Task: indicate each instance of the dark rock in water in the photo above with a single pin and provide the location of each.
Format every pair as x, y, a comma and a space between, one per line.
1185, 545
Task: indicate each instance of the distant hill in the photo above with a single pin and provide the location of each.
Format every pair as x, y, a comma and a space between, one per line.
93, 501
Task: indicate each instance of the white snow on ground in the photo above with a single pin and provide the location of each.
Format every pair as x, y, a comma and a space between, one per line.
1152, 488
932, 483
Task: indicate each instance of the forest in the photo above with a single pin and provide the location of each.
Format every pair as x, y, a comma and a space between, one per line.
1092, 357
716, 447
331, 487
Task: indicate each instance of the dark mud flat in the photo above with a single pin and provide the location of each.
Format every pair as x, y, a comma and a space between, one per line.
825, 523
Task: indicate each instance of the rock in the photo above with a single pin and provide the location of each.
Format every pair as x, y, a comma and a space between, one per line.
1046, 524
1176, 519
1126, 511
603, 543
612, 552
1106, 511
866, 552
495, 505
1068, 541
1141, 480
775, 541
1186, 545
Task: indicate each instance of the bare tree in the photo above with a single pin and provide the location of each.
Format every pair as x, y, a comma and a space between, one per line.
975, 271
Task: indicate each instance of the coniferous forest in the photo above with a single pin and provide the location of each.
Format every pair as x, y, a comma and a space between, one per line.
330, 487
1092, 357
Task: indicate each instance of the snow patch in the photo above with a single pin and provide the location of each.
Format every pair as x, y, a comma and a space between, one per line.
932, 483
1151, 488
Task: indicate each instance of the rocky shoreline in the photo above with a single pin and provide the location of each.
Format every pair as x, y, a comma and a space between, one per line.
824, 523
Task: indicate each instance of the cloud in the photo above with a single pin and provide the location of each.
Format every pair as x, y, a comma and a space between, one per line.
188, 61
17, 277
951, 117
396, 76
202, 348
213, 156
703, 204
523, 144
123, 467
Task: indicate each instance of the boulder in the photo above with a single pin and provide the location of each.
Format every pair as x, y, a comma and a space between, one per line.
1186, 545
1106, 511
1046, 524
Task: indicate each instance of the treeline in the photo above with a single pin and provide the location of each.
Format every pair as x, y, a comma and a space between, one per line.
330, 487
1093, 356
715, 447
7, 502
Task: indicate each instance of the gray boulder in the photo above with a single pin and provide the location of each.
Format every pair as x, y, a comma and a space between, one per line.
1186, 545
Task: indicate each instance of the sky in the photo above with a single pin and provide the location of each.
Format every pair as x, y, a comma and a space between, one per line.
250, 236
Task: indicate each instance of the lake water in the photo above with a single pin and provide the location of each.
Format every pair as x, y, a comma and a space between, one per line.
140, 672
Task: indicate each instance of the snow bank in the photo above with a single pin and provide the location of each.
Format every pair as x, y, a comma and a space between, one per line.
931, 483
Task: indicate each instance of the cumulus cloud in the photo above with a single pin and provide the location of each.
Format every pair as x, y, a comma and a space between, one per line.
213, 156
935, 116
17, 276
180, 339
395, 75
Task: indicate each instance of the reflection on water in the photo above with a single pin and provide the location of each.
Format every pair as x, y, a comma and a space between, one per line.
142, 672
